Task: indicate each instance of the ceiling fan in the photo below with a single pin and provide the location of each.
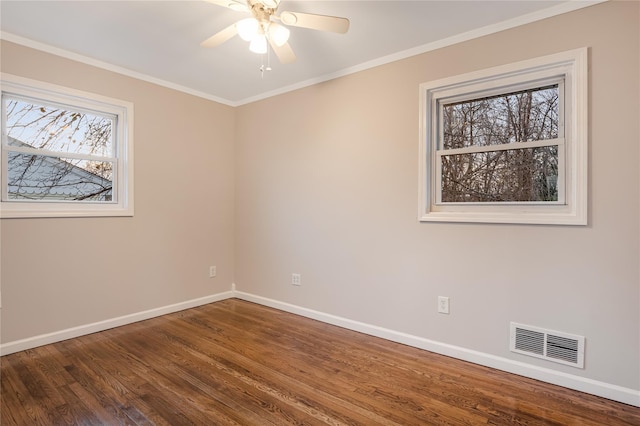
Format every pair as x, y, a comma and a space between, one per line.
261, 28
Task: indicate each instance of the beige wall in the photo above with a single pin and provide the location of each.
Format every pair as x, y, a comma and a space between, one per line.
327, 187
323, 182
63, 273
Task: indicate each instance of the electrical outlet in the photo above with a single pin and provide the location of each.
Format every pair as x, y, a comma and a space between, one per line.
212, 271
443, 304
295, 279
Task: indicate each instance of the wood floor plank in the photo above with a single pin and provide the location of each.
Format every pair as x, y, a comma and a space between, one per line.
258, 391
254, 373
237, 363
350, 372
15, 394
292, 362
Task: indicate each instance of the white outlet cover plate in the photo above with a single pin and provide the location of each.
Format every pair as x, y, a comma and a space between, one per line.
443, 304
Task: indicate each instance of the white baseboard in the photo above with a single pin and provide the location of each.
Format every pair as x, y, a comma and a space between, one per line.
58, 336
594, 387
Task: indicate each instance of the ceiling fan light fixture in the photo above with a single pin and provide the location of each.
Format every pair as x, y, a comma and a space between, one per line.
258, 44
263, 34
278, 34
248, 28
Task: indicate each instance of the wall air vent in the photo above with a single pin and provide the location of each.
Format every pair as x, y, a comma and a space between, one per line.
547, 344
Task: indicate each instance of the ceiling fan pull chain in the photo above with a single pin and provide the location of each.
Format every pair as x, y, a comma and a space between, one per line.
264, 68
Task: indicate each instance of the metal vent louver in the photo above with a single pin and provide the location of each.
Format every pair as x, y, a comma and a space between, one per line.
529, 341
547, 344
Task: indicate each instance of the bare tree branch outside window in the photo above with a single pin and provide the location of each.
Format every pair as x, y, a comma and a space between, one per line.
491, 171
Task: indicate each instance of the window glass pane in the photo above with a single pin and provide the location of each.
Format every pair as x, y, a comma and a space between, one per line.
524, 116
501, 176
39, 177
58, 128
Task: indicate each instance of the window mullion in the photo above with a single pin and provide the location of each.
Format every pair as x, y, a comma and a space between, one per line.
58, 154
502, 147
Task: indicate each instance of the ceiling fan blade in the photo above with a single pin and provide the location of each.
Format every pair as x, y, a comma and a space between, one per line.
284, 53
220, 37
238, 5
315, 22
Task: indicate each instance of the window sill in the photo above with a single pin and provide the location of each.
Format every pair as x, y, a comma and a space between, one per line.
9, 210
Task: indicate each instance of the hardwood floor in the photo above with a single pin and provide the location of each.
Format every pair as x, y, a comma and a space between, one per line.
234, 362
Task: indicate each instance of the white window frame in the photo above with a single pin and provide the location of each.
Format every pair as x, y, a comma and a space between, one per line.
569, 70
122, 204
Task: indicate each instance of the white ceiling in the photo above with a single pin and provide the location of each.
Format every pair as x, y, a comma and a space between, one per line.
160, 40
